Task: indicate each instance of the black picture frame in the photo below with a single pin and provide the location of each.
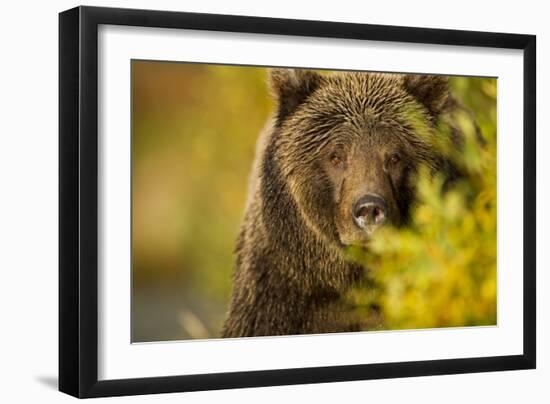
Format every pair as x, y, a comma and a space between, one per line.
78, 201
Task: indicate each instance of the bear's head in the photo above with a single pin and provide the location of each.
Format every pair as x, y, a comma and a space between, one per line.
348, 145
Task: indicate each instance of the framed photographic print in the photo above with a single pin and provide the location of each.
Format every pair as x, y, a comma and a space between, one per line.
251, 201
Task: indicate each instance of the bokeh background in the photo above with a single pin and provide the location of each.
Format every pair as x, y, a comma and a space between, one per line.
194, 128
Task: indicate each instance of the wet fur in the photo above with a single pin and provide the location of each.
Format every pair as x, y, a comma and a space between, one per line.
291, 270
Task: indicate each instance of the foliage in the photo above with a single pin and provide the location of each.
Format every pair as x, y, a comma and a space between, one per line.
440, 270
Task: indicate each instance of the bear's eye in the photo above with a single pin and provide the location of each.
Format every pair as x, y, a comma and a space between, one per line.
337, 161
394, 159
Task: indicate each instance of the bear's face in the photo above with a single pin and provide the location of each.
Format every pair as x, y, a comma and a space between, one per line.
369, 177
348, 150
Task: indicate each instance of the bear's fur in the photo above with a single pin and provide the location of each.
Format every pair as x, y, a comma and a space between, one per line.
333, 138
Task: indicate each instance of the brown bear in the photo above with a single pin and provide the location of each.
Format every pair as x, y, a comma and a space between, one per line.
334, 164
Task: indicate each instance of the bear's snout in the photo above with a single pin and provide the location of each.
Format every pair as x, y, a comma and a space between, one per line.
369, 211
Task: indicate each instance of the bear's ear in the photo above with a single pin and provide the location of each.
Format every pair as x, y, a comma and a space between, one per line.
430, 91
291, 87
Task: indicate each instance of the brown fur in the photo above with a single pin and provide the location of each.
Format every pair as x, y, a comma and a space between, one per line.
291, 268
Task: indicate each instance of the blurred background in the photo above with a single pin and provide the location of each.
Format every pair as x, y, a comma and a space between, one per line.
194, 129
194, 133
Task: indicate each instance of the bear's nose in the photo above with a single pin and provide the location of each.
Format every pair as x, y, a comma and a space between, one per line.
370, 210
